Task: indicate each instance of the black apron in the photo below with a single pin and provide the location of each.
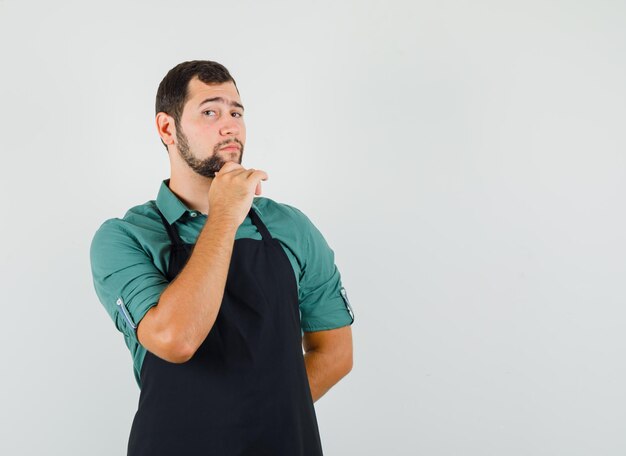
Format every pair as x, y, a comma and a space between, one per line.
245, 391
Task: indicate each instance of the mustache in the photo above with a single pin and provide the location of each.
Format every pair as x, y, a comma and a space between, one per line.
227, 142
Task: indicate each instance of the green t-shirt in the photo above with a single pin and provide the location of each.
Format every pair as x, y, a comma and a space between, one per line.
129, 259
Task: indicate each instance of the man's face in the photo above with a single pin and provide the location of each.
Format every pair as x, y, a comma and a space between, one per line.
212, 130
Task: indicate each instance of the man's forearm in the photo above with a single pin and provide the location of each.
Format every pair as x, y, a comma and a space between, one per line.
324, 369
189, 306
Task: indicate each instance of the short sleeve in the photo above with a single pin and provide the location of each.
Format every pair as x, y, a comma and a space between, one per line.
323, 300
126, 281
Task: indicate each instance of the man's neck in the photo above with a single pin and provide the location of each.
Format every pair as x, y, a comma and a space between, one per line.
193, 190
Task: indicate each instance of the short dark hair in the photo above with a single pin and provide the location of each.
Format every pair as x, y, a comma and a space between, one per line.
172, 92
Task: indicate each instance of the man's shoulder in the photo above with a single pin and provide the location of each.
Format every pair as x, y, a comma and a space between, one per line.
136, 219
135, 215
279, 212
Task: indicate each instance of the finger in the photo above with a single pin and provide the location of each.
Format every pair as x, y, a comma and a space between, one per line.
257, 174
229, 166
257, 191
236, 173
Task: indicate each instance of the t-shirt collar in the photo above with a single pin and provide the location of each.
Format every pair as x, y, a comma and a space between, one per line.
172, 207
169, 204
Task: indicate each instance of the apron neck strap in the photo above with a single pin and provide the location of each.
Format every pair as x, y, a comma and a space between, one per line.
174, 237
265, 234
176, 240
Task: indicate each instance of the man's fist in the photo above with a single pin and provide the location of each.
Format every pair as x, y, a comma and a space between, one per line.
232, 191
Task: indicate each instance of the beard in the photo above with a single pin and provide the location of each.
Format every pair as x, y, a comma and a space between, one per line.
209, 166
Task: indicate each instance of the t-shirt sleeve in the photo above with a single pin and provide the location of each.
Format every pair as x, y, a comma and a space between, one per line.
323, 299
126, 280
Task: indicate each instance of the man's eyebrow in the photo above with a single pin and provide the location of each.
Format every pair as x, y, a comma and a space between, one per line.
221, 100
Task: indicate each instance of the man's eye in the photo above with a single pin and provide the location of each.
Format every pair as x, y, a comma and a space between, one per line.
206, 112
237, 114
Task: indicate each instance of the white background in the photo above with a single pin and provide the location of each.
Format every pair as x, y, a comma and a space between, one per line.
464, 160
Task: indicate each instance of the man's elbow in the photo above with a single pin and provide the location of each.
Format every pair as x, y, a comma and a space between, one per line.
346, 363
176, 350
166, 345
160, 336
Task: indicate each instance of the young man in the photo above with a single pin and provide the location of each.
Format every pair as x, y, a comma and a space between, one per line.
217, 289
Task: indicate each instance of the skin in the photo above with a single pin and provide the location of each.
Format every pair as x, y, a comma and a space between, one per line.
195, 152
204, 128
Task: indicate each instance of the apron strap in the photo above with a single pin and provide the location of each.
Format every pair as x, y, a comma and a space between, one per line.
178, 242
265, 234
174, 237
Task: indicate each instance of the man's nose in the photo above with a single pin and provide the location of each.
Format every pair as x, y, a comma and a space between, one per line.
229, 127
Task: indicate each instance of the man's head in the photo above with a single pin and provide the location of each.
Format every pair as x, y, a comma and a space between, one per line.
199, 113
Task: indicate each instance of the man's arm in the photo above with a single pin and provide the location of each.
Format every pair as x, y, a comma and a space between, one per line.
328, 358
188, 307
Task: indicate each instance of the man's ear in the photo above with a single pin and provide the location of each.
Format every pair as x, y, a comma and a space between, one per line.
166, 128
